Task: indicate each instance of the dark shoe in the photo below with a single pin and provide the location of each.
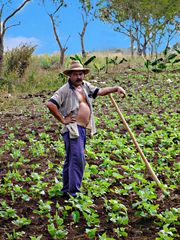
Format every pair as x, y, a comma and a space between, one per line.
65, 195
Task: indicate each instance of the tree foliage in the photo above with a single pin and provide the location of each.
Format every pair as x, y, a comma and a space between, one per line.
145, 22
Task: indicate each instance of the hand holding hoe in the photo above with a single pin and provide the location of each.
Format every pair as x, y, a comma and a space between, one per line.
137, 145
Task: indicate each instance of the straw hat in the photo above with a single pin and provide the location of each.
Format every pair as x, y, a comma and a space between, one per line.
76, 66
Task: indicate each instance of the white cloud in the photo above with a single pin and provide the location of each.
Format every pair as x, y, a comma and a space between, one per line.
13, 42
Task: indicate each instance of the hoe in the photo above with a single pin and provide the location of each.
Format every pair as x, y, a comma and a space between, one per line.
154, 177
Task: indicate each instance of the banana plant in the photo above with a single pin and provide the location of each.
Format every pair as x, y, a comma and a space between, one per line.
115, 61
160, 64
87, 62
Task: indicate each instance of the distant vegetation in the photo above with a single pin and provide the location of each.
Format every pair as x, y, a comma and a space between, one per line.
26, 72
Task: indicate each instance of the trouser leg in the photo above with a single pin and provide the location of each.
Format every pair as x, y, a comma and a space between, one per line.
74, 165
65, 173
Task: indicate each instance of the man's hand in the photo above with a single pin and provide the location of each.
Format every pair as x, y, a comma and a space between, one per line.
108, 90
120, 90
69, 119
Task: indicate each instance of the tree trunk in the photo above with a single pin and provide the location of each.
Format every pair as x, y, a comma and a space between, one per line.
82, 47
62, 49
62, 56
144, 50
152, 50
132, 44
1, 57
82, 39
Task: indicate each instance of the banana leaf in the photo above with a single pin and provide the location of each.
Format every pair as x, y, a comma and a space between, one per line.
89, 60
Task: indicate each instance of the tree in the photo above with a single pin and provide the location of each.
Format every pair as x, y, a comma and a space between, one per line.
143, 21
86, 12
53, 16
4, 27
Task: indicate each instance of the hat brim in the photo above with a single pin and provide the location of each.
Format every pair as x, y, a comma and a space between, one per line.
69, 71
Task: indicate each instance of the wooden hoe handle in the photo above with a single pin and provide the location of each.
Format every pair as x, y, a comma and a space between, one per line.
136, 143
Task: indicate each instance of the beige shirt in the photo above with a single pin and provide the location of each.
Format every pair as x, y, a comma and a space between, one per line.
67, 102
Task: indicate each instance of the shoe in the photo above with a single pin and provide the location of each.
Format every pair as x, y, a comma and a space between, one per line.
65, 195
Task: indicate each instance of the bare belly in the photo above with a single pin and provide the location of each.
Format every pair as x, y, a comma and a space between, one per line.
83, 114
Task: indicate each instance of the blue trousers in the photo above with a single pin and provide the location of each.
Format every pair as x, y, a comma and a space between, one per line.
74, 164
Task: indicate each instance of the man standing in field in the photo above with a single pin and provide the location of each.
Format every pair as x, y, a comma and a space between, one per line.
72, 106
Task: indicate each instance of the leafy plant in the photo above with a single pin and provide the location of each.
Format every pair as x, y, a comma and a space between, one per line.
20, 222
18, 59
14, 235
86, 62
117, 212
167, 233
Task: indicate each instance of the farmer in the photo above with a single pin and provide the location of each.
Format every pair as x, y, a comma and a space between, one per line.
72, 106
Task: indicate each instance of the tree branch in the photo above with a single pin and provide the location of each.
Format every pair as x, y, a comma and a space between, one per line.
12, 14
57, 9
17, 24
55, 32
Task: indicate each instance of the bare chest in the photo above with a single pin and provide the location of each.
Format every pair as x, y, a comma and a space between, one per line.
80, 94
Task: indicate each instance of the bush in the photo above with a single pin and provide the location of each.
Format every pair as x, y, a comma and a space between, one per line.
18, 59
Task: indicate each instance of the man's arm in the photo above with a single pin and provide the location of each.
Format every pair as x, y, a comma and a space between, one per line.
109, 90
55, 112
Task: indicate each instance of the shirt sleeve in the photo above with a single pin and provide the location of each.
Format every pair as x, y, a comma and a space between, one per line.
57, 98
92, 90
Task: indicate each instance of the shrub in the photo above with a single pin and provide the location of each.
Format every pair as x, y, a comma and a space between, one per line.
18, 59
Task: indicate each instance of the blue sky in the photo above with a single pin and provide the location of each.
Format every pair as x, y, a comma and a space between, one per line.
36, 28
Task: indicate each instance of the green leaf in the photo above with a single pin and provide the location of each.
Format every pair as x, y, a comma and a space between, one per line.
122, 60
162, 66
78, 58
176, 61
165, 51
76, 216
177, 50
89, 60
154, 63
147, 63
91, 232
156, 70
171, 56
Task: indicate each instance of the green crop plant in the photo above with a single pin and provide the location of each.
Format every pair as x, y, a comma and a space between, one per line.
145, 205
14, 235
114, 61
36, 238
84, 204
38, 189
91, 233
37, 149
58, 147
167, 233
162, 63
121, 232
56, 227
116, 211
6, 211
43, 208
168, 217
105, 237
84, 63
20, 222
55, 189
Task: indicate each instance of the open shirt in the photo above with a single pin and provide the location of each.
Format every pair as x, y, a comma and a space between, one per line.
66, 100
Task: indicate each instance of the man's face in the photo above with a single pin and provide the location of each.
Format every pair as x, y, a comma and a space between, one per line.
76, 78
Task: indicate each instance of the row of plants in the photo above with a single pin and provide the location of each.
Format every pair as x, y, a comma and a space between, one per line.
116, 188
